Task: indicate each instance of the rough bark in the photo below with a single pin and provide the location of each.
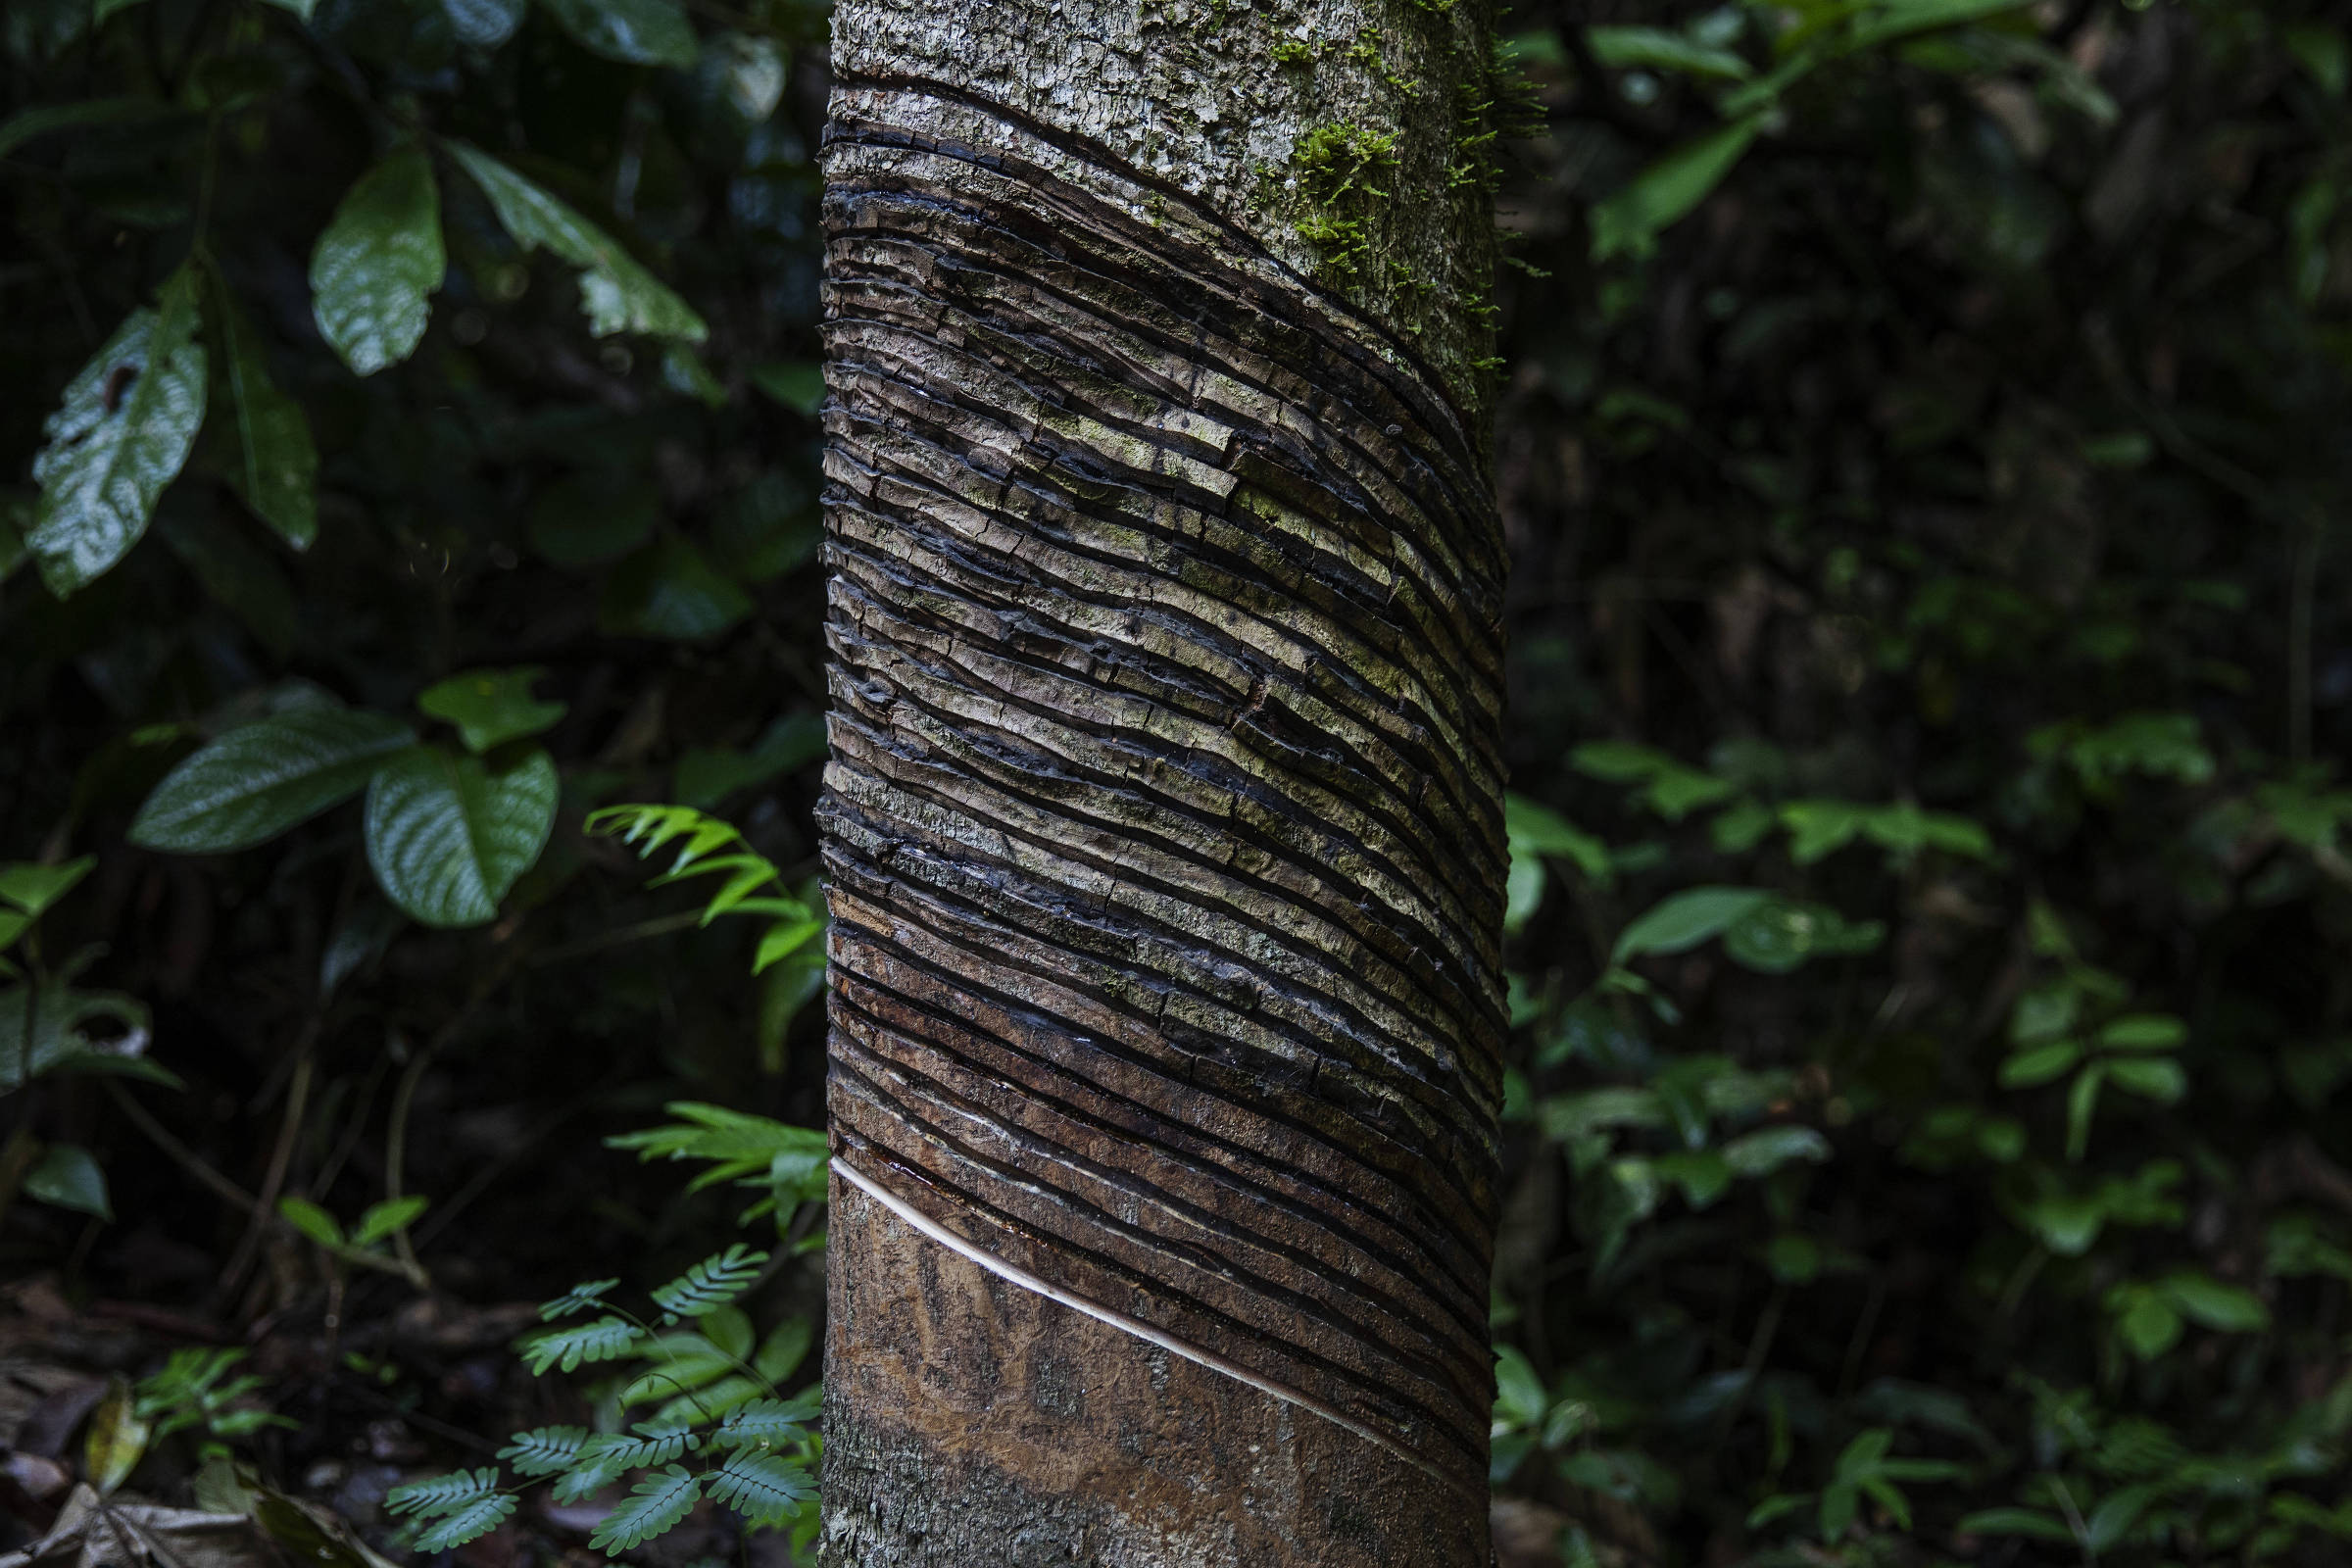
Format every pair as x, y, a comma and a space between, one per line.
1163, 835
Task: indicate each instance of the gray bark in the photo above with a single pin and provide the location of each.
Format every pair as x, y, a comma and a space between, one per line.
1163, 835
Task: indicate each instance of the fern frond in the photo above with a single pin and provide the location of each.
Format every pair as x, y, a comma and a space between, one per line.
656, 1443
469, 1523
589, 1474
604, 1338
786, 938
659, 1502
436, 1496
579, 1299
768, 1423
766, 1488
737, 1144
544, 1450
710, 1284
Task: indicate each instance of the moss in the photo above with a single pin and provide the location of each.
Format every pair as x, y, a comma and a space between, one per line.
1343, 172
1292, 52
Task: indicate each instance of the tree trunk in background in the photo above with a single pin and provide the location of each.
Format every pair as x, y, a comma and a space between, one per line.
1163, 827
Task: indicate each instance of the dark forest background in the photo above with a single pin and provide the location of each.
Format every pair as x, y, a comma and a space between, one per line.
1923, 444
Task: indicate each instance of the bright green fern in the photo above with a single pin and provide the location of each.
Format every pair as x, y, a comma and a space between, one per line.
719, 1412
709, 846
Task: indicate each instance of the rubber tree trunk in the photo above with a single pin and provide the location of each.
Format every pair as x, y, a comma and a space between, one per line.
1163, 830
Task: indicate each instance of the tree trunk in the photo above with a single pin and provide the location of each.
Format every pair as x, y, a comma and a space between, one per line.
1163, 827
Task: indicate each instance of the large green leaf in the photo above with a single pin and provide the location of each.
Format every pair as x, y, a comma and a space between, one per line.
1668, 189
1687, 919
483, 23
618, 294
448, 836
273, 465
376, 266
635, 33
253, 783
121, 433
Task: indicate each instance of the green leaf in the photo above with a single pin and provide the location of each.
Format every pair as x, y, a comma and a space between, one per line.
378, 265
380, 1220
1687, 919
276, 464
658, 1502
1818, 829
797, 384
579, 1299
2206, 1300
1519, 1396
604, 1338
2145, 1031
670, 590
656, 1443
618, 294
1535, 829
1667, 191
766, 1488
67, 1176
491, 705
785, 1347
34, 888
1768, 1148
483, 23
2028, 1522
2029, 1070
2081, 1101
311, 1220
2148, 1324
447, 836
1620, 48
768, 1423
635, 33
544, 1450
255, 782
121, 433
1780, 935
710, 1284
2162, 1079
442, 1494
474, 1521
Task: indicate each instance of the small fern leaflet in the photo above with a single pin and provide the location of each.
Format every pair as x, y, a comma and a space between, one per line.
766, 1488
659, 1502
605, 1339
710, 1284
544, 1450
471, 1523
441, 1494
768, 1423
579, 1299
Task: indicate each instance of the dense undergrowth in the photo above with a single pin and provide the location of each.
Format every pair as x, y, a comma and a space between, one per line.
1922, 447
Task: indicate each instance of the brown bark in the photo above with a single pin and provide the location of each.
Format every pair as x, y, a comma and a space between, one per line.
1164, 835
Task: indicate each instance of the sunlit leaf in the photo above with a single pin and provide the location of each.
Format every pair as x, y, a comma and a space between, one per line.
490, 707
618, 294
121, 432
379, 261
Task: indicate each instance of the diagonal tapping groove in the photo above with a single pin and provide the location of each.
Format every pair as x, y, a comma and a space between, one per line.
1163, 827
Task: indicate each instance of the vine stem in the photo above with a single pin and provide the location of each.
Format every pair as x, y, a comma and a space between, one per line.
273, 1180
